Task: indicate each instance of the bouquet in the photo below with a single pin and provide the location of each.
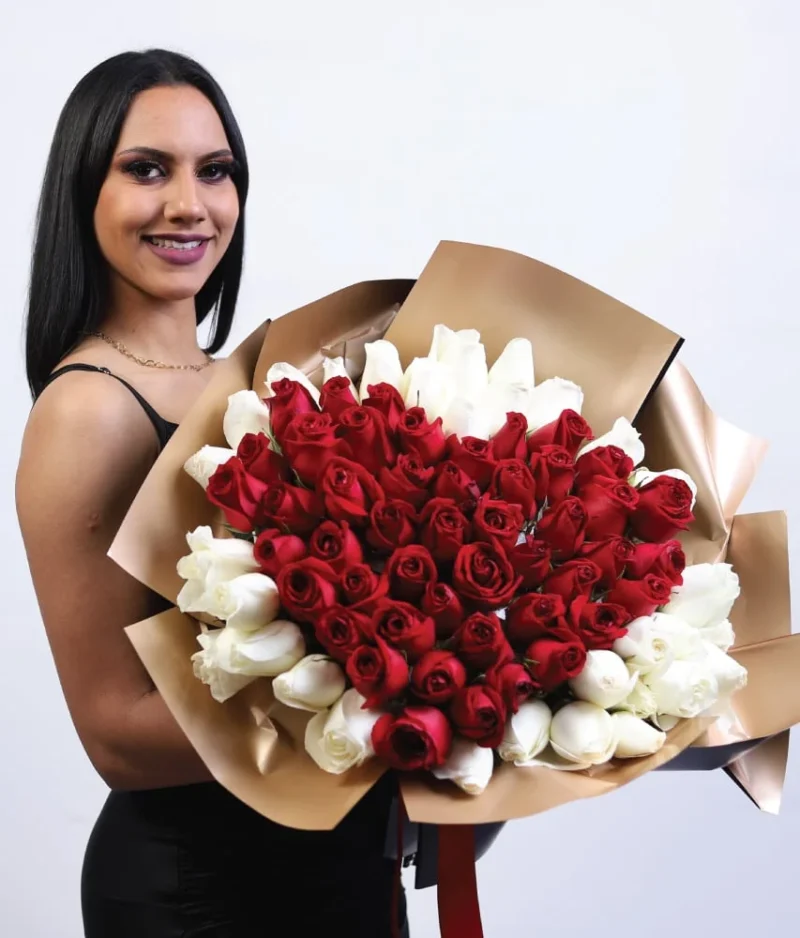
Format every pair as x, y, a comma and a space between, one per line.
447, 567
404, 552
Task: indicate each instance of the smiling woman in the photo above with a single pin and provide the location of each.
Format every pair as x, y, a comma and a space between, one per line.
140, 238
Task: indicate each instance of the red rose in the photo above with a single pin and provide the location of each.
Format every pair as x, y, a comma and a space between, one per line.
418, 436
307, 588
290, 508
391, 525
349, 491
260, 460
665, 507
437, 676
309, 441
476, 457
609, 504
666, 560
444, 529
532, 560
563, 527
236, 493
481, 643
387, 400
453, 482
513, 682
419, 738
610, 461
362, 587
598, 625
569, 430
340, 631
497, 521
366, 432
273, 550
404, 627
479, 713
336, 544
483, 576
512, 482
290, 399
552, 661
409, 570
336, 396
444, 607
553, 471
611, 555
509, 441
641, 597
377, 672
407, 480
574, 578
533, 616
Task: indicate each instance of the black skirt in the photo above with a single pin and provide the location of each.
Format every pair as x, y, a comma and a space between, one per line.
194, 862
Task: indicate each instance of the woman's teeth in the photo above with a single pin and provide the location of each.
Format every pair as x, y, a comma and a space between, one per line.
175, 245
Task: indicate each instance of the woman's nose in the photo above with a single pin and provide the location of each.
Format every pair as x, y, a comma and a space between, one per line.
184, 201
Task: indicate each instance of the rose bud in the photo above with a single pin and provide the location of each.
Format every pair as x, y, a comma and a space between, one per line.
641, 597
348, 491
336, 396
236, 493
664, 508
444, 529
479, 713
475, 457
309, 441
481, 643
512, 482
362, 587
418, 436
273, 550
509, 442
573, 578
513, 682
553, 471
341, 630
409, 570
419, 738
444, 607
563, 527
610, 461
552, 661
307, 588
366, 433
497, 522
437, 676
609, 505
407, 480
611, 555
599, 625
336, 544
388, 401
289, 508
535, 615
378, 672
454, 483
289, 399
666, 560
532, 560
391, 525
404, 627
569, 430
260, 460
483, 577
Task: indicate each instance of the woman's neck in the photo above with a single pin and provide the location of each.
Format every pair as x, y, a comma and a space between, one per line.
160, 329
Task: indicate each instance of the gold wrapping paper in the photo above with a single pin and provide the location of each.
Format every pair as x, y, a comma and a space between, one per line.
254, 746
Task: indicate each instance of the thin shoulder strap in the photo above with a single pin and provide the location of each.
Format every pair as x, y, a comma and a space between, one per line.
162, 427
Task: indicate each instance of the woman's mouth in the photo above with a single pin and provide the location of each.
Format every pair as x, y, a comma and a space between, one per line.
182, 250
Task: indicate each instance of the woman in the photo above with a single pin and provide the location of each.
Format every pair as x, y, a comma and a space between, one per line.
140, 238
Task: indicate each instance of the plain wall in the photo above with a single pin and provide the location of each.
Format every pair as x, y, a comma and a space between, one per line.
648, 148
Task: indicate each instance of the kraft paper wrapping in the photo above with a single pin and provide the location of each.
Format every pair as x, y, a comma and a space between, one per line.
254, 746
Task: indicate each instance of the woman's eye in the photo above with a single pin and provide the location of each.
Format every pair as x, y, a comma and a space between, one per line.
144, 170
215, 172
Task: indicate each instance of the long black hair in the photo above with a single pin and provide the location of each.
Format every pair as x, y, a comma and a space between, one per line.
68, 284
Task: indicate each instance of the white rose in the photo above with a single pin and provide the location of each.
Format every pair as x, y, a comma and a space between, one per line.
212, 560
447, 344
335, 368
550, 398
246, 413
246, 602
683, 641
730, 675
266, 652
604, 681
635, 738
624, 435
281, 370
465, 355
340, 739
468, 418
584, 733
205, 462
429, 384
315, 683
205, 664
685, 689
706, 597
641, 701
643, 649
643, 476
514, 365
469, 766
527, 732
382, 366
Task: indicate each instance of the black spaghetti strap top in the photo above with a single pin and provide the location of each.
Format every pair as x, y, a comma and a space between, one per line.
164, 428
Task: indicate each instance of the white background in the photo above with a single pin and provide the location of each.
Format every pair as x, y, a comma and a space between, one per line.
649, 148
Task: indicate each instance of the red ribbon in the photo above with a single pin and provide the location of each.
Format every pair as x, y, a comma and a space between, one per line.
459, 909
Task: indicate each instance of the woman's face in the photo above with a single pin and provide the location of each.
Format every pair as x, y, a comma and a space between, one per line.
168, 207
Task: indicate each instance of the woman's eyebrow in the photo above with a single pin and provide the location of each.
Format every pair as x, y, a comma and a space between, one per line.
163, 155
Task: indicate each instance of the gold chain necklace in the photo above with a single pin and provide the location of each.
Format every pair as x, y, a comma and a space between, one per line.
148, 362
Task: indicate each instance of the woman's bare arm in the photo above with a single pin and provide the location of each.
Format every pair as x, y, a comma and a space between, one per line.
87, 448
